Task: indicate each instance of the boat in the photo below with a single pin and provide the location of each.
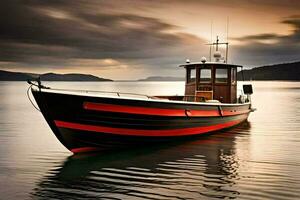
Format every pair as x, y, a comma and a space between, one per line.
85, 121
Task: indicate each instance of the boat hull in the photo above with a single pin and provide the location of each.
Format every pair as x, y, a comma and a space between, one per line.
88, 123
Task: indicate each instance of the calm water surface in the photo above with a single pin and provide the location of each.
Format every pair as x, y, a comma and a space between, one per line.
260, 159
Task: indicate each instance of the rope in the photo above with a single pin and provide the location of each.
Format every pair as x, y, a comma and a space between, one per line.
28, 95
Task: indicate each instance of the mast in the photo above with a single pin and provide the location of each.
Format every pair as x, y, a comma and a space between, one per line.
217, 43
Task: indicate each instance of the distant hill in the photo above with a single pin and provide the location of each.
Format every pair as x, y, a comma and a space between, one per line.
162, 78
285, 71
71, 77
20, 76
15, 76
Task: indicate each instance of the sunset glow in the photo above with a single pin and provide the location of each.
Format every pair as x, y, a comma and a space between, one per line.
136, 39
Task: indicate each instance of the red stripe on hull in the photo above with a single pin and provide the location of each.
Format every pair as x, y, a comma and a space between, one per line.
139, 132
158, 111
84, 149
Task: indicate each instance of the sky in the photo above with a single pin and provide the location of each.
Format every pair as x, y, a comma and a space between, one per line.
126, 39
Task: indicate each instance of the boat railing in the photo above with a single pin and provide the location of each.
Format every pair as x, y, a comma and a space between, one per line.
190, 98
119, 94
38, 84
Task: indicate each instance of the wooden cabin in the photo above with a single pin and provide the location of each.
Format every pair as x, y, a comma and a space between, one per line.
211, 81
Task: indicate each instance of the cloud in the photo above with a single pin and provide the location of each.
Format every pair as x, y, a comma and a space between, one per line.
48, 33
294, 37
264, 36
269, 48
59, 34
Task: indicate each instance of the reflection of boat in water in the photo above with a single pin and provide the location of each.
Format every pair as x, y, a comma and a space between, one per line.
88, 122
195, 169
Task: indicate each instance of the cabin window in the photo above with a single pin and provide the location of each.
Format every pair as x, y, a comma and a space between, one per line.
205, 75
233, 75
191, 75
221, 76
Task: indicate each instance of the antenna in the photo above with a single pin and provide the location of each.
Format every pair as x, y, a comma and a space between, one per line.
211, 30
216, 44
227, 30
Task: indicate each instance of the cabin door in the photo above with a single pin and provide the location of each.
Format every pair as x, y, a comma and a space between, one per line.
222, 86
204, 89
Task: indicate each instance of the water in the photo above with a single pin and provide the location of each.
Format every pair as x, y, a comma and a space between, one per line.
256, 160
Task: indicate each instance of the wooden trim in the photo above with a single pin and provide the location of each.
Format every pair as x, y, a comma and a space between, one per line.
210, 95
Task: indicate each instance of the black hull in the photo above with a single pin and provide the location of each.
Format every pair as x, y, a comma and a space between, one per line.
87, 123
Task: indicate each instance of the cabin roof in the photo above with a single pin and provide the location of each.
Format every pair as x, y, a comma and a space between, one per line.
209, 63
